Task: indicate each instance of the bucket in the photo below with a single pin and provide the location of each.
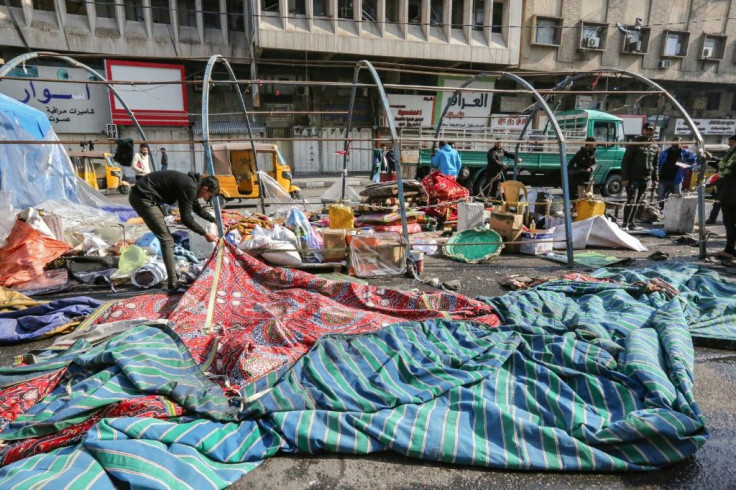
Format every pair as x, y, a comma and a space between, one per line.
587, 208
418, 258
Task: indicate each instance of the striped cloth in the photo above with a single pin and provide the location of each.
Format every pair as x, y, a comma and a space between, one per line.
591, 375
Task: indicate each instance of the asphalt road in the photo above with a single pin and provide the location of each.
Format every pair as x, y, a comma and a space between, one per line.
715, 390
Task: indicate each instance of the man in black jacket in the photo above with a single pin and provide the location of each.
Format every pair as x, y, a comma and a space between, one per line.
171, 187
639, 166
495, 166
581, 168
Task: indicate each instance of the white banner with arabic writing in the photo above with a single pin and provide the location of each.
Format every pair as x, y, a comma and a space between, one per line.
723, 127
411, 111
467, 110
71, 107
508, 124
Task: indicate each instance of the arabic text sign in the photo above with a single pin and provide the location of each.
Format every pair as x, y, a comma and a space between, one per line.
153, 105
466, 109
411, 111
724, 127
71, 107
507, 124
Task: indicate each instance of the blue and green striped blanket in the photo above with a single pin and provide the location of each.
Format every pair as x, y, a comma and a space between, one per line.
582, 376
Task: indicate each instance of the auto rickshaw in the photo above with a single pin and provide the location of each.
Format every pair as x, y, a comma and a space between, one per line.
99, 170
235, 169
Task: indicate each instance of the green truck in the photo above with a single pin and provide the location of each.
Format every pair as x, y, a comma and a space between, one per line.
540, 154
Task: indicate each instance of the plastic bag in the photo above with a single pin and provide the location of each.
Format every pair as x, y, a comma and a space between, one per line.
334, 193
307, 240
132, 259
282, 253
429, 246
25, 254
7, 216
149, 275
35, 221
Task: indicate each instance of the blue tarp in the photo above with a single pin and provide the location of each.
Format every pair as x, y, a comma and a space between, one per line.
30, 119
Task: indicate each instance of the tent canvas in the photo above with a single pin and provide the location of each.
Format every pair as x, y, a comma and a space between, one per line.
32, 120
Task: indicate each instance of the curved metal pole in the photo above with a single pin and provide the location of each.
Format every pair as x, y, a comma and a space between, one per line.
5, 69
560, 137
394, 138
206, 131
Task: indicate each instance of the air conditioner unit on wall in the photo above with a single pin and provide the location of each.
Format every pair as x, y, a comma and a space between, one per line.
707, 53
636, 47
665, 63
304, 91
591, 42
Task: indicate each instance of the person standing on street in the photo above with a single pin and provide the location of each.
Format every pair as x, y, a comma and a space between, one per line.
671, 175
727, 198
719, 185
447, 160
164, 159
170, 187
581, 168
141, 162
390, 159
495, 165
639, 166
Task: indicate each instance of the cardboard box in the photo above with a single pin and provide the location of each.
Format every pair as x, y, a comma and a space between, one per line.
537, 242
506, 224
512, 248
334, 245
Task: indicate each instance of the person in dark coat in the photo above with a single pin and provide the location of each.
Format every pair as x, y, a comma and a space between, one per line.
495, 165
164, 159
639, 167
580, 169
727, 198
170, 187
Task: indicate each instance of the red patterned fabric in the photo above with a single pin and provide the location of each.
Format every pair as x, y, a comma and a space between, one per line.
261, 318
442, 188
149, 406
15, 400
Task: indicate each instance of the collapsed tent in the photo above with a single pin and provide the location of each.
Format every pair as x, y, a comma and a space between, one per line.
597, 232
263, 360
33, 173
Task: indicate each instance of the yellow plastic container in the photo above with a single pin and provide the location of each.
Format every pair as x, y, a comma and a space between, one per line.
587, 208
341, 217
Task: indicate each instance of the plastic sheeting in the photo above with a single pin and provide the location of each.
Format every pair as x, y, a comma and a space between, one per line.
26, 253
597, 232
33, 173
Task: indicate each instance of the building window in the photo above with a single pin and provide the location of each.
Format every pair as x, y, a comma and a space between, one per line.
733, 103
160, 13
235, 15
75, 7
320, 8
370, 10
713, 47
211, 15
479, 15
345, 9
713, 102
105, 8
548, 31
635, 41
392, 12
675, 43
134, 10
437, 14
47, 5
273, 5
457, 15
187, 13
415, 11
497, 17
16, 3
593, 36
297, 7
